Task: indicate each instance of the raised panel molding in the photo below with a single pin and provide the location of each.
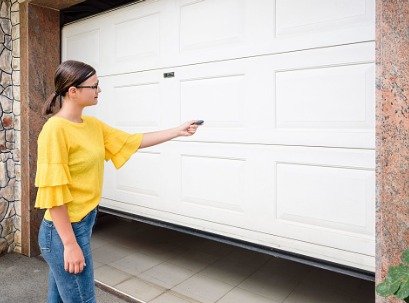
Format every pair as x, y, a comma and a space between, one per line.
329, 97
297, 17
84, 46
220, 183
339, 198
141, 103
224, 24
130, 178
132, 40
219, 99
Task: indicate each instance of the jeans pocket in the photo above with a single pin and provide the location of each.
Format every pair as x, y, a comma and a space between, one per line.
44, 236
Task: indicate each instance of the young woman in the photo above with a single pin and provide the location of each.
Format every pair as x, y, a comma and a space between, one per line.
71, 153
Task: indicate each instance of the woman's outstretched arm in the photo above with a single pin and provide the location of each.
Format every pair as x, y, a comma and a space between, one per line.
154, 138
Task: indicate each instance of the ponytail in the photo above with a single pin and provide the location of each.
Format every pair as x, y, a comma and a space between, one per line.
49, 105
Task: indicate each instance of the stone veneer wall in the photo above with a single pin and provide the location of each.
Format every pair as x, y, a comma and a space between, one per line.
10, 176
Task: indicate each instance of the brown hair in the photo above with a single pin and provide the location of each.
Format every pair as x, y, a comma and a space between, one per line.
70, 73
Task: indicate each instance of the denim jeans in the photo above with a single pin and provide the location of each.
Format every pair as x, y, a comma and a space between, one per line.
64, 287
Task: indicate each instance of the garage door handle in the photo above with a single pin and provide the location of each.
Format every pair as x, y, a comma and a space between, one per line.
169, 75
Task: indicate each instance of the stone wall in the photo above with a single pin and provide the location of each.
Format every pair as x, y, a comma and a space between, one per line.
10, 177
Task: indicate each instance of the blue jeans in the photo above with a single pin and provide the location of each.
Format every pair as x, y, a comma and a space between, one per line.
64, 287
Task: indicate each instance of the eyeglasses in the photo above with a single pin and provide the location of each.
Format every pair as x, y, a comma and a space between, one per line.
93, 86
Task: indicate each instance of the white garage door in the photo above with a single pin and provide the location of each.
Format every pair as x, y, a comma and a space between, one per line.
286, 88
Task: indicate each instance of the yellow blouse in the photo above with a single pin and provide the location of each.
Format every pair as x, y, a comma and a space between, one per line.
70, 165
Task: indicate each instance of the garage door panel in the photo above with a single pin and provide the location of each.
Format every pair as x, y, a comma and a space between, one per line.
325, 196
83, 46
326, 96
224, 26
291, 99
213, 182
265, 100
141, 101
133, 42
137, 102
246, 28
147, 183
134, 38
233, 29
300, 193
234, 98
139, 180
338, 97
295, 17
220, 183
154, 34
219, 100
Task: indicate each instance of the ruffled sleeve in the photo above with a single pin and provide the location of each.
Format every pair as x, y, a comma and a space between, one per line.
48, 197
53, 175
119, 145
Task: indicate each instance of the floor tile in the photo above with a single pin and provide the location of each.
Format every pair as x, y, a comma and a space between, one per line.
273, 284
233, 269
215, 248
238, 295
166, 275
97, 264
108, 254
203, 288
170, 297
193, 260
139, 289
98, 241
161, 252
110, 276
136, 263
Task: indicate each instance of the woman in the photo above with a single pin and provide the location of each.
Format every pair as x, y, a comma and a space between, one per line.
71, 152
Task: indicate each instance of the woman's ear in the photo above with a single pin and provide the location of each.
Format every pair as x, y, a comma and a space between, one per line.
72, 91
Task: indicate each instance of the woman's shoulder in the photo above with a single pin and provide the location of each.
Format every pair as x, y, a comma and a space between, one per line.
91, 119
53, 123
95, 122
52, 128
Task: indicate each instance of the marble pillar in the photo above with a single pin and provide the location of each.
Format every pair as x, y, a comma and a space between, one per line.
392, 134
40, 56
40, 49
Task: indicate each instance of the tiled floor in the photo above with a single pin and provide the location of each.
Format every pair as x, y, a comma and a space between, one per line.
157, 265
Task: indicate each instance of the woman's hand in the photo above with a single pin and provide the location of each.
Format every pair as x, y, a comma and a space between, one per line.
188, 128
74, 261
